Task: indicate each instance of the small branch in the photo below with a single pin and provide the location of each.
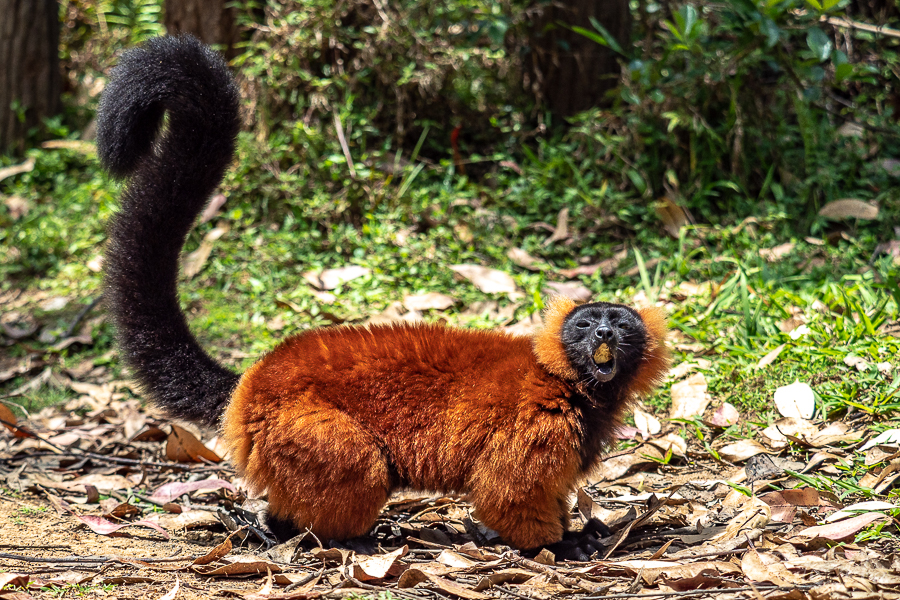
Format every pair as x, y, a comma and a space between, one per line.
340, 132
81, 314
737, 590
849, 24
92, 559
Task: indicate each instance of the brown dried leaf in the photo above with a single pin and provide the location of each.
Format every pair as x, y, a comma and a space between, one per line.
170, 595
170, 491
215, 554
193, 262
561, 232
755, 514
617, 466
332, 278
236, 566
646, 423
8, 418
18, 207
773, 254
24, 167
527, 326
849, 208
769, 358
672, 216
795, 400
725, 416
513, 576
182, 446
489, 281
575, 291
839, 530
525, 260
430, 301
767, 567
104, 527
191, 519
414, 576
689, 397
215, 203
378, 567
741, 450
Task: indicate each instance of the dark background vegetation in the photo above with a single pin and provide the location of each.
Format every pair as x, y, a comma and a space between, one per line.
718, 129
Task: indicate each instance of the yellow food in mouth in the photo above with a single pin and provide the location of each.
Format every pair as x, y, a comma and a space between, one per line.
602, 354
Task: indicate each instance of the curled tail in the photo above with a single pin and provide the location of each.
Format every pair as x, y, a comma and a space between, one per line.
172, 170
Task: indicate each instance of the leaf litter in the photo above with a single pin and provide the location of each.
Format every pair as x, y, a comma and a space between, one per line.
102, 491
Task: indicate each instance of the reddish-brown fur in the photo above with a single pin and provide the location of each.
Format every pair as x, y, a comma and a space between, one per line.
333, 420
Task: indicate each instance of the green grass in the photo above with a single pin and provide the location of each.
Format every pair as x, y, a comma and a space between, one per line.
255, 275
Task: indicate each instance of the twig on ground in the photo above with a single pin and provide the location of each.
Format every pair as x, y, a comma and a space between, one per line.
81, 314
737, 590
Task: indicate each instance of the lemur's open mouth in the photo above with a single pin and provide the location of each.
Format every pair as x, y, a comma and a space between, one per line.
605, 361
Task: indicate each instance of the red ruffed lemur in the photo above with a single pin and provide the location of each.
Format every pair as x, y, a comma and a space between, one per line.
333, 420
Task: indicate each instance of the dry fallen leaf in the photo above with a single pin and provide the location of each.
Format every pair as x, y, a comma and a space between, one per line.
741, 450
795, 400
755, 514
8, 419
525, 260
849, 208
104, 527
170, 595
767, 567
182, 446
561, 232
430, 301
860, 507
575, 291
194, 261
379, 566
332, 278
24, 167
192, 519
414, 576
857, 362
773, 254
673, 216
888, 437
18, 207
646, 423
489, 281
769, 358
238, 566
170, 491
725, 416
689, 397
839, 530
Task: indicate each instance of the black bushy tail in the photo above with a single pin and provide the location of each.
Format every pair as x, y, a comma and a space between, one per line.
173, 169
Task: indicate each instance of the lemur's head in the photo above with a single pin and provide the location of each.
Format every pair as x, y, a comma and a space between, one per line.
604, 340
603, 343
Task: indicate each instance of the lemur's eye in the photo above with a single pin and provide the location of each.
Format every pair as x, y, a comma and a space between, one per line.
582, 324
624, 326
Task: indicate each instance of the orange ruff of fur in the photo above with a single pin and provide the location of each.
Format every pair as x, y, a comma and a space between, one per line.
331, 421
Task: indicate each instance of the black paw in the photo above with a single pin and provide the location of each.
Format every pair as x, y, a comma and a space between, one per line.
282, 529
581, 545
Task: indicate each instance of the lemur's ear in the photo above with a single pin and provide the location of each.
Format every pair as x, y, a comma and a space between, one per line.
548, 346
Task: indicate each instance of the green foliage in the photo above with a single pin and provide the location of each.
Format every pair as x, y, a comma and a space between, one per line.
391, 67
736, 109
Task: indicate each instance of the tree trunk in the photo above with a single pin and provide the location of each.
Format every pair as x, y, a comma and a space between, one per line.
570, 73
208, 20
29, 68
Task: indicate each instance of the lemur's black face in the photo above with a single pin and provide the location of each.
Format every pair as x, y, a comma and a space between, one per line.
604, 340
